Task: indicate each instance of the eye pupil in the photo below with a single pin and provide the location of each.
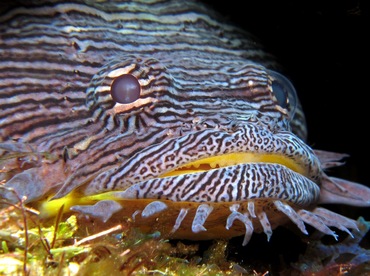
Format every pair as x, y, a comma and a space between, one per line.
125, 89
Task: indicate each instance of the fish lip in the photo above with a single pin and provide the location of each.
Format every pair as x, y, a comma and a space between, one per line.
301, 159
304, 163
241, 182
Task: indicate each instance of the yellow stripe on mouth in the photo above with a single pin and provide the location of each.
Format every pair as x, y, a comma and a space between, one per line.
232, 159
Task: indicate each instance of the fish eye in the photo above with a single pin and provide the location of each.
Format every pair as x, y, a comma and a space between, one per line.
284, 92
125, 89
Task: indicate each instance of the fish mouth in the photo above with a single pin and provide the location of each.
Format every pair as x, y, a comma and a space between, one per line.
233, 159
210, 159
227, 177
231, 177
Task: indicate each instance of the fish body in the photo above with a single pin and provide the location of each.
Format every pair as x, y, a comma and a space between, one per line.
158, 111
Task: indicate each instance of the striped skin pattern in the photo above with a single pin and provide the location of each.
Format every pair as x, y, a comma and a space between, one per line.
212, 148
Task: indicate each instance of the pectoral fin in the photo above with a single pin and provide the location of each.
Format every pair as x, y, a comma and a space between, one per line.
337, 190
26, 184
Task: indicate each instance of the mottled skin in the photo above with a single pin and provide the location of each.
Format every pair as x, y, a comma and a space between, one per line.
213, 148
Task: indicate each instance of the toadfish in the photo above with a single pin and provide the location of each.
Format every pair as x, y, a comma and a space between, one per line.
159, 111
